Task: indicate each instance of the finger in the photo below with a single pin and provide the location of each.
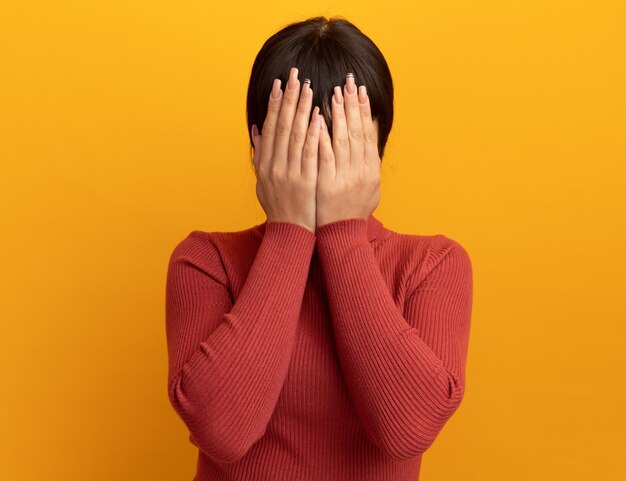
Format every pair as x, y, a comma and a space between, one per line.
327, 164
285, 119
256, 141
370, 133
310, 149
269, 124
353, 120
340, 141
300, 127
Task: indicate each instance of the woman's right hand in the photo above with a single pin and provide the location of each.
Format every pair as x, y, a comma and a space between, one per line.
285, 155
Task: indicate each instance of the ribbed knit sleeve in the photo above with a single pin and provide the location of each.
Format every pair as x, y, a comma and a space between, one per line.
405, 373
227, 363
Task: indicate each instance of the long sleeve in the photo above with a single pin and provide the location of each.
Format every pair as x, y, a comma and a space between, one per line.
405, 374
227, 363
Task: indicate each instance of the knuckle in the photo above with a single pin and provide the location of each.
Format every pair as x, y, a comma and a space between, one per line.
342, 142
268, 129
309, 150
297, 137
274, 105
282, 129
291, 99
303, 106
356, 133
370, 137
275, 173
295, 178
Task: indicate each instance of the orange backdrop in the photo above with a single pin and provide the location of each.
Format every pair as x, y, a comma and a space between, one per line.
122, 128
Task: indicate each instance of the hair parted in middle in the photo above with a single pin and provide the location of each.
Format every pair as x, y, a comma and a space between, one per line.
324, 50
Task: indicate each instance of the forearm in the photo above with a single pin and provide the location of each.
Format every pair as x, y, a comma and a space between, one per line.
402, 390
227, 389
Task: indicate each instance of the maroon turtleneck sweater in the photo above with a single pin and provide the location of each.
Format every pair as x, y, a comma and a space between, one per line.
334, 355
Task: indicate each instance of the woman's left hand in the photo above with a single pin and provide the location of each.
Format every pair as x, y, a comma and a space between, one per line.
348, 180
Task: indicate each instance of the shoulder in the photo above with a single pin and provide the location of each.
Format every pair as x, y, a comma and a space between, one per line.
192, 245
423, 254
447, 263
209, 250
444, 248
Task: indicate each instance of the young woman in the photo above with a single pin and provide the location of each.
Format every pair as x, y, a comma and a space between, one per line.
318, 345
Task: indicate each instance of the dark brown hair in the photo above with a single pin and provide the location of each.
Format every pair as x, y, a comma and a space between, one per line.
324, 50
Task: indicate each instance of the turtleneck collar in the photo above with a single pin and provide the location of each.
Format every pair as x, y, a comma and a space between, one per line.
374, 228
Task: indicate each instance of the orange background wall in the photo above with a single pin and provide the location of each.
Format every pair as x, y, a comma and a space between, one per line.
122, 128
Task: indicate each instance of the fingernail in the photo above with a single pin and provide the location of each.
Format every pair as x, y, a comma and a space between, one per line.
293, 78
350, 87
276, 88
338, 95
362, 94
